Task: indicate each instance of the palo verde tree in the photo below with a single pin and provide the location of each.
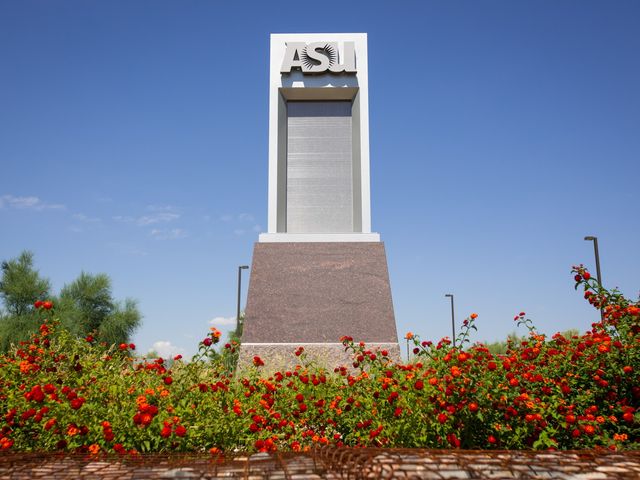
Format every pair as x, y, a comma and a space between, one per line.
85, 306
21, 285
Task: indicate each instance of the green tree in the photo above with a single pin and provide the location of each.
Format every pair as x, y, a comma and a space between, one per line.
21, 285
85, 306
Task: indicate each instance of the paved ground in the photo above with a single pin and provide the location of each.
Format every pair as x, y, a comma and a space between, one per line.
331, 464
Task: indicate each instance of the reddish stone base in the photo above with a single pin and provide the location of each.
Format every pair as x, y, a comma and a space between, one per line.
316, 293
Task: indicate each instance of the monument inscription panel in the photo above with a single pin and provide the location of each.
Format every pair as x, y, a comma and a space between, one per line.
319, 167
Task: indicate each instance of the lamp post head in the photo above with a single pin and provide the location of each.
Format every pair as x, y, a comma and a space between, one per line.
448, 295
243, 267
590, 238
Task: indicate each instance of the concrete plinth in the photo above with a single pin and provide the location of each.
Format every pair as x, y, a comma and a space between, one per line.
312, 294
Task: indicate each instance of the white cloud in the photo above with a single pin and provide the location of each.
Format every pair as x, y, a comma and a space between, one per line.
223, 321
165, 349
226, 218
245, 217
28, 203
168, 234
160, 217
81, 217
257, 228
125, 219
162, 208
238, 231
146, 220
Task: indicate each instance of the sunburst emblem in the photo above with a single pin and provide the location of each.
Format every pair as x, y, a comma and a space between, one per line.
328, 51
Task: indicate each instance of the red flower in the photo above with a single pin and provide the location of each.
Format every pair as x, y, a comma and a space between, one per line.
257, 361
453, 440
76, 403
28, 414
146, 418
47, 305
473, 407
37, 304
168, 380
442, 418
50, 423
419, 385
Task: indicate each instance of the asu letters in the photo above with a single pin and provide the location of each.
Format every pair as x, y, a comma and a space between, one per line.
319, 57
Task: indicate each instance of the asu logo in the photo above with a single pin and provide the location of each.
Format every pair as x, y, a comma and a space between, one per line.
319, 57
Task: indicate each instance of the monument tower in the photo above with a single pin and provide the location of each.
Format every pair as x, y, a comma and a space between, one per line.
319, 272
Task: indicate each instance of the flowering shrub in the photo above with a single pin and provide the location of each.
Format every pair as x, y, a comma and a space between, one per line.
58, 392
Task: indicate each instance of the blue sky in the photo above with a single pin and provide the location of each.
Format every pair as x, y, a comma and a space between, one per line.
133, 141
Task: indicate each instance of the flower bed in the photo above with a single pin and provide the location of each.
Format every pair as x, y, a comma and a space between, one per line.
59, 392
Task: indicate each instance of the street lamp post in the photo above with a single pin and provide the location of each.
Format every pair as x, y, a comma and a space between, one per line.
597, 255
453, 320
240, 268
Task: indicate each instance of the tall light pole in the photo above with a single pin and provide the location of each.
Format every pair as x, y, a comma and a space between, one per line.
597, 255
240, 268
453, 320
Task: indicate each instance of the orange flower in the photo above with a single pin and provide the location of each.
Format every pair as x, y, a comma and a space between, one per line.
72, 430
409, 336
94, 449
473, 316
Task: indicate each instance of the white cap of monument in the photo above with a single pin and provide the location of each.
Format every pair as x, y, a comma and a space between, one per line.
319, 139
